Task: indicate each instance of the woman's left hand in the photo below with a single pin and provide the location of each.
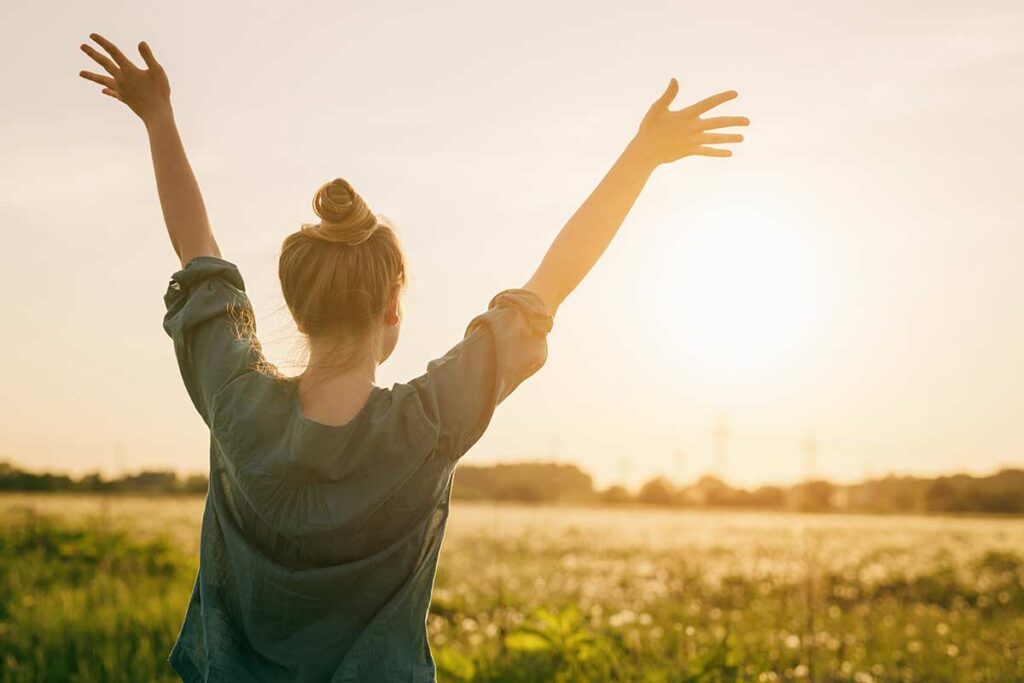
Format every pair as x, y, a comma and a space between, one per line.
666, 135
146, 91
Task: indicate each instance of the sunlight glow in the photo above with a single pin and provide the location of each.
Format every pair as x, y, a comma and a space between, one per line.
739, 292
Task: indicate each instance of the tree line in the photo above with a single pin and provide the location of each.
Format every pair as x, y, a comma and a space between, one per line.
12, 478
538, 482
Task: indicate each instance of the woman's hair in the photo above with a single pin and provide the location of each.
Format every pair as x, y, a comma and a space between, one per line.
338, 275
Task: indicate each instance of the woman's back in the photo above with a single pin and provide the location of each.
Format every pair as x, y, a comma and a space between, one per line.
320, 542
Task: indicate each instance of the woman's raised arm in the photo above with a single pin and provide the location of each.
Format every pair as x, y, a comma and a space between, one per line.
664, 136
148, 94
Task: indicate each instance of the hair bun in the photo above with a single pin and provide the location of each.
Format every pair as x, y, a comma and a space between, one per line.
344, 216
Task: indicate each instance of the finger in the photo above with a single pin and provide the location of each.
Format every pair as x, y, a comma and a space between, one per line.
112, 93
711, 102
97, 78
666, 98
717, 138
723, 122
147, 56
118, 56
102, 60
712, 152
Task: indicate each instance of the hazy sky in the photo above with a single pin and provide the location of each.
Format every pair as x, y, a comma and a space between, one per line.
852, 272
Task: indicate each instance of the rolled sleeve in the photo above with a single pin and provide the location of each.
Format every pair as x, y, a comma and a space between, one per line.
210, 319
519, 324
501, 348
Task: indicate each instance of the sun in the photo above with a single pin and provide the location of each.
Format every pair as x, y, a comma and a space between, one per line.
735, 294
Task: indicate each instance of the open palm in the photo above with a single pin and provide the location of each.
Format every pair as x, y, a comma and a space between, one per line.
146, 91
667, 135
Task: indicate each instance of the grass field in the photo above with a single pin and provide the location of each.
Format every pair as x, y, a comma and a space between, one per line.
94, 589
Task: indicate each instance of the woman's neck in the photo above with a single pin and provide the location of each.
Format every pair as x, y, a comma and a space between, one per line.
335, 386
340, 364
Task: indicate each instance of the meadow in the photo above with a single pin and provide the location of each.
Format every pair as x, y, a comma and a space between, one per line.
93, 588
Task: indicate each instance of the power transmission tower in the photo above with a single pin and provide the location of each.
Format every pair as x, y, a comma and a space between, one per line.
624, 469
721, 434
810, 449
119, 459
680, 465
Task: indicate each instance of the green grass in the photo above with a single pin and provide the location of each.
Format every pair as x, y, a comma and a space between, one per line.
94, 590
84, 603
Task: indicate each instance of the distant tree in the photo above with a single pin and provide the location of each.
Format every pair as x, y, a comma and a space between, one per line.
615, 494
903, 501
767, 497
712, 491
196, 483
1007, 487
93, 482
528, 482
657, 491
812, 496
14, 479
942, 496
150, 481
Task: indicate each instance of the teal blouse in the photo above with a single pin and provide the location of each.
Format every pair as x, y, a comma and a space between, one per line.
319, 543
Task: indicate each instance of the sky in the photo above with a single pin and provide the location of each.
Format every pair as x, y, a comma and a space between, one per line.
850, 277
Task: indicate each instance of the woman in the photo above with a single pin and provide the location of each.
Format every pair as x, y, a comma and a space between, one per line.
329, 494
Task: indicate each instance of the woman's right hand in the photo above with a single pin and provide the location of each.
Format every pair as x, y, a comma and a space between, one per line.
146, 91
666, 136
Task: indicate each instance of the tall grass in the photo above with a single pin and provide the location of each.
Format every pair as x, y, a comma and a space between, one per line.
87, 603
102, 598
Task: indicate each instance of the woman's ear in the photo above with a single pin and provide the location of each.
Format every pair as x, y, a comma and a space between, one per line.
393, 313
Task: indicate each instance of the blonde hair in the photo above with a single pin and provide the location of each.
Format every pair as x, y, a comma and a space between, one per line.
338, 275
